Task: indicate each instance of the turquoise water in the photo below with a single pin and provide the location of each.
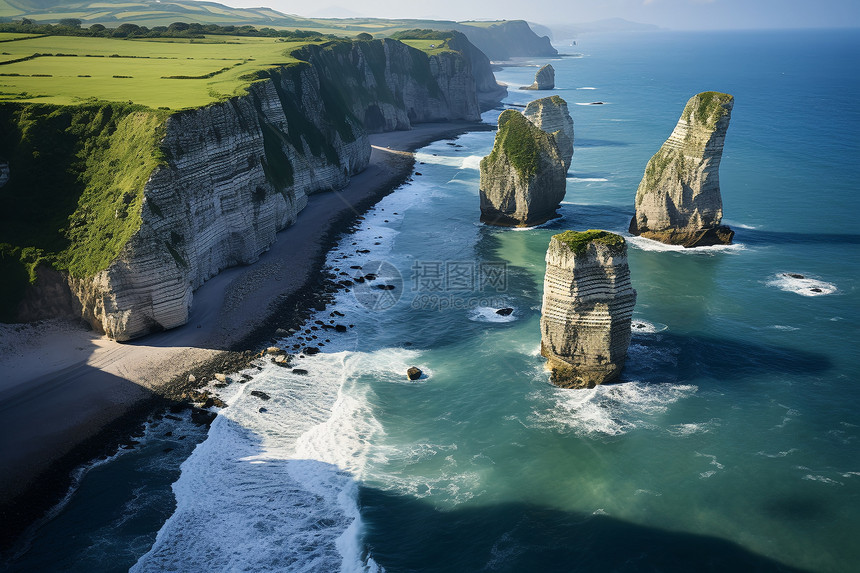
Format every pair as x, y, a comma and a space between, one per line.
731, 442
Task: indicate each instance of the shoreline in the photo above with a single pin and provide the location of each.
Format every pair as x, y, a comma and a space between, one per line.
70, 395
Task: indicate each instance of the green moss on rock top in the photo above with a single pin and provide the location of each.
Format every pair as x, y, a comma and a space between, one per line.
578, 241
520, 141
707, 108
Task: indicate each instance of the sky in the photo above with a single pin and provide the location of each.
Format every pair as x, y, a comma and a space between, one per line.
673, 14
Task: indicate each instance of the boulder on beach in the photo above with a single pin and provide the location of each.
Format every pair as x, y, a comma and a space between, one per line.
678, 200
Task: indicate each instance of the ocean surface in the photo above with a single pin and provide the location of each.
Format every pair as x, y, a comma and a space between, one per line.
732, 442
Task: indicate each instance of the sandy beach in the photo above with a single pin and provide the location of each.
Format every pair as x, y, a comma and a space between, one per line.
65, 390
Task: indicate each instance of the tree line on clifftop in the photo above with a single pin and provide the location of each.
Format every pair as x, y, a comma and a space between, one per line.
73, 27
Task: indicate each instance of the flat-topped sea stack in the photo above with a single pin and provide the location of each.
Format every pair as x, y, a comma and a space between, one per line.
551, 115
587, 308
523, 179
544, 79
678, 200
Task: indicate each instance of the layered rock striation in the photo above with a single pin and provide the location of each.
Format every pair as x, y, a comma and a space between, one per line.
678, 200
544, 79
523, 179
587, 308
552, 116
236, 172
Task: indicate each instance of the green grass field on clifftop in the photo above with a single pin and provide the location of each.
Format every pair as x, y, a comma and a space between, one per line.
168, 73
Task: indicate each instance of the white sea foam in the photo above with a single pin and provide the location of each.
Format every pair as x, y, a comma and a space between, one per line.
593, 103
778, 454
708, 473
471, 162
783, 327
488, 314
586, 88
647, 492
682, 430
651, 245
737, 225
273, 486
822, 479
588, 179
609, 410
640, 326
541, 226
806, 286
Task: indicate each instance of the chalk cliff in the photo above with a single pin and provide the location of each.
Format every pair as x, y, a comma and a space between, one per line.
552, 116
503, 40
678, 200
236, 172
544, 79
587, 308
523, 179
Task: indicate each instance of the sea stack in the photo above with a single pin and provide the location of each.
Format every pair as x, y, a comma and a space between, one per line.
678, 200
552, 116
523, 179
544, 79
587, 308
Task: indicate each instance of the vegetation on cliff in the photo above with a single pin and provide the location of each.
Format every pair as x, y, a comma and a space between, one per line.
578, 241
76, 182
520, 141
173, 74
82, 119
707, 108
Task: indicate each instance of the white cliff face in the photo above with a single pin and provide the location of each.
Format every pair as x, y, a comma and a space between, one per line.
241, 170
587, 308
397, 85
551, 114
678, 200
544, 79
214, 207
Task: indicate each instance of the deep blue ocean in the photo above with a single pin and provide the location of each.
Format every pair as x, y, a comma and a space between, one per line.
732, 442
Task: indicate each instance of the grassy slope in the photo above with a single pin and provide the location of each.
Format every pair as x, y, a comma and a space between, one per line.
76, 188
89, 68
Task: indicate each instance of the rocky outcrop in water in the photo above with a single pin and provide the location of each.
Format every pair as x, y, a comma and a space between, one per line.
678, 200
544, 79
237, 172
523, 179
587, 308
552, 116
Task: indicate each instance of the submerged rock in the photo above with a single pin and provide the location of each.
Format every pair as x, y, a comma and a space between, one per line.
523, 179
678, 200
552, 116
507, 311
544, 79
587, 308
